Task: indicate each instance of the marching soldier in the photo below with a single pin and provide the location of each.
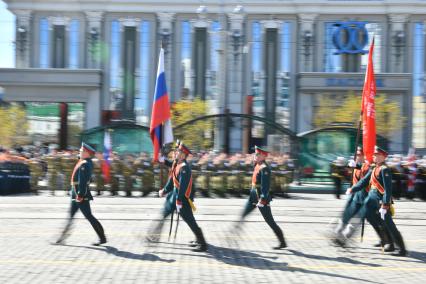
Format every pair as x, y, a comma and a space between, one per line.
179, 197
354, 205
379, 198
81, 196
260, 196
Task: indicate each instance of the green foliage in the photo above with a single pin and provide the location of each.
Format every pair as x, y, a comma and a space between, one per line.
13, 125
347, 110
198, 135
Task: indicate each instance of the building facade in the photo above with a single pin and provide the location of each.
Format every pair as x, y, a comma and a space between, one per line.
275, 59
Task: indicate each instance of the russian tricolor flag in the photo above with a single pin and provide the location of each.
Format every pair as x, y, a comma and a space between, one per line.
161, 127
106, 163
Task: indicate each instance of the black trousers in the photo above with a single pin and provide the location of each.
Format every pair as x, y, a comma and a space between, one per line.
84, 207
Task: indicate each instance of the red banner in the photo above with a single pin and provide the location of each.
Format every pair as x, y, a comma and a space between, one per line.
368, 109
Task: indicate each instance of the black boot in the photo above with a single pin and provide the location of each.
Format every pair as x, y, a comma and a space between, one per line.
280, 236
101, 235
65, 234
399, 241
385, 238
154, 234
389, 248
202, 245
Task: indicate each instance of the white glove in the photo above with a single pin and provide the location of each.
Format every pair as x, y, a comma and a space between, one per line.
161, 159
382, 212
178, 206
348, 191
260, 205
352, 164
161, 192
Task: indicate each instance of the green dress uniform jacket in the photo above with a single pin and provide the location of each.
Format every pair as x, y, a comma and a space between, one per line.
81, 177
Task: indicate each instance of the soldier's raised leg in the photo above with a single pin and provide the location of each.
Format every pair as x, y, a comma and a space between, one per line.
267, 215
87, 212
65, 232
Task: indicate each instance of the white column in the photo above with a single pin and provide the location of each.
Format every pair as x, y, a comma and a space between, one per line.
23, 32
166, 41
306, 41
236, 96
94, 31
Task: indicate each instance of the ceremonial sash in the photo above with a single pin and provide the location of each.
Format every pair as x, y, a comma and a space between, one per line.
76, 167
79, 163
257, 169
356, 176
177, 185
374, 181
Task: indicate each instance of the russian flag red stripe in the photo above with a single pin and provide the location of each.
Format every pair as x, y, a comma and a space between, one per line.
160, 128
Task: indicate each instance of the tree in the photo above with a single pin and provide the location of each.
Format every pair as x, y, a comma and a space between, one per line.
197, 135
333, 109
13, 125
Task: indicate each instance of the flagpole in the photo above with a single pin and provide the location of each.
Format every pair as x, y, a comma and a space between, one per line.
359, 130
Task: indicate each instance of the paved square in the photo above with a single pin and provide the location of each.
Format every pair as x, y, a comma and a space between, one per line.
30, 223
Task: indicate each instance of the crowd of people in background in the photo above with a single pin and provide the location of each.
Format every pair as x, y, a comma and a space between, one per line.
214, 173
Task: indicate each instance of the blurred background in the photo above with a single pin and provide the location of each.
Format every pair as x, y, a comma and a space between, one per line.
286, 75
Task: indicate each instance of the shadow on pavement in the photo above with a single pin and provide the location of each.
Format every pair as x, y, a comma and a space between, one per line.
126, 254
339, 259
257, 261
412, 256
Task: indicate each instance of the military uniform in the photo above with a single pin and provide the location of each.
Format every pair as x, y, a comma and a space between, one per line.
179, 197
379, 180
53, 168
128, 171
81, 196
35, 174
260, 197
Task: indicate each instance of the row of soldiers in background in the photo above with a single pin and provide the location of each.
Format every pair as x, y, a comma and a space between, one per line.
408, 175
212, 173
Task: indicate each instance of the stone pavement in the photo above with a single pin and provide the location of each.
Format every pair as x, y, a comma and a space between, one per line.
29, 223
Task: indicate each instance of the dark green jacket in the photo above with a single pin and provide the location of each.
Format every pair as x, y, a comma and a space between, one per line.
360, 195
263, 182
184, 177
384, 178
82, 179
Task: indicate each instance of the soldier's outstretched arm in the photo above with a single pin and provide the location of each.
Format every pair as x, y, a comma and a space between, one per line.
169, 185
363, 182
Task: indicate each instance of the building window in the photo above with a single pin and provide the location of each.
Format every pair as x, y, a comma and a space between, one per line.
419, 96
342, 51
143, 98
44, 44
257, 78
115, 65
186, 51
58, 46
74, 44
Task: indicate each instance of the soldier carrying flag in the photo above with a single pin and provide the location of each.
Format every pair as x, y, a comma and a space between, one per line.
179, 197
